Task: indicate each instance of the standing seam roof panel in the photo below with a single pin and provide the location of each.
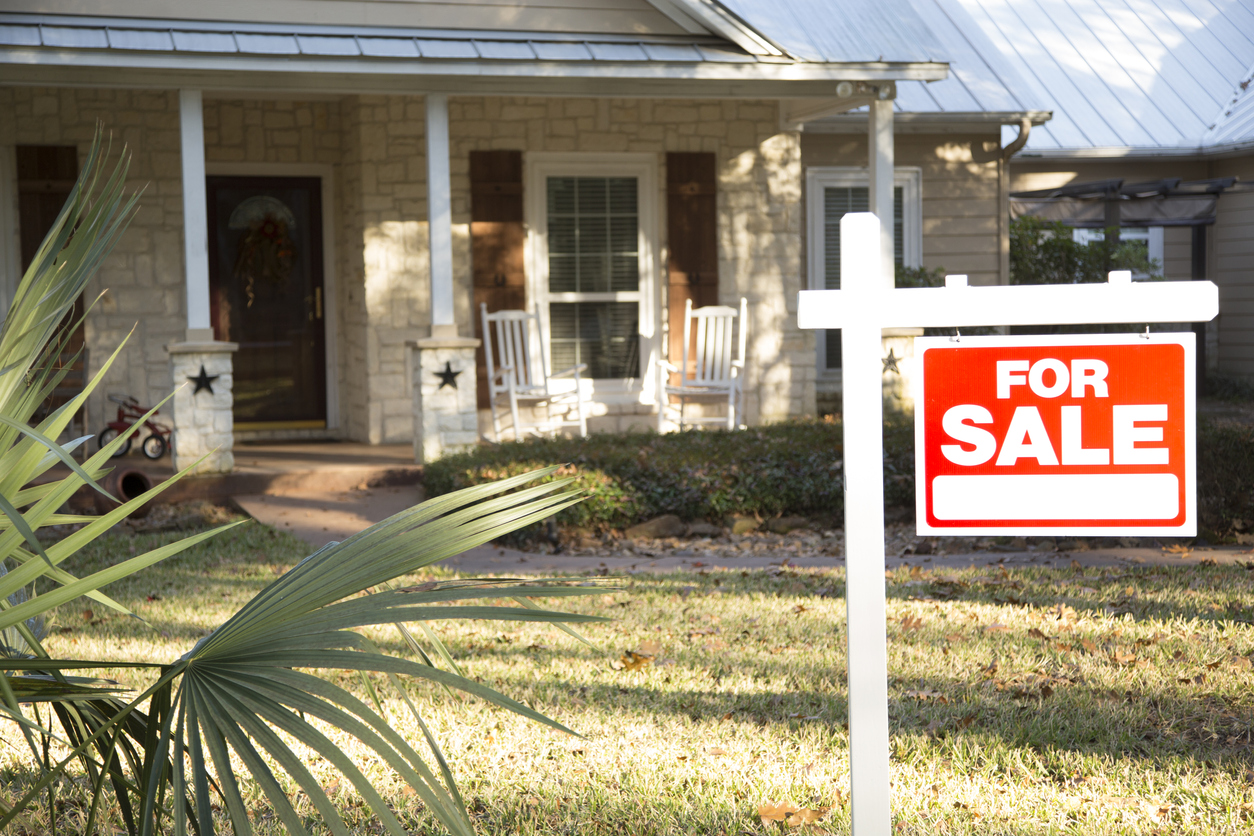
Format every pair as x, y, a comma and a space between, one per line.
72, 37
967, 69
1237, 35
1195, 96
1056, 85
1190, 26
140, 40
1084, 74
388, 47
916, 97
1144, 117
851, 30
1197, 64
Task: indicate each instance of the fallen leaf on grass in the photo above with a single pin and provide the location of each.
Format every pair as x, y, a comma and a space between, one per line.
715, 645
776, 811
649, 647
1038, 634
799, 609
911, 622
1242, 663
996, 628
715, 752
88, 615
632, 661
806, 815
1122, 658
923, 696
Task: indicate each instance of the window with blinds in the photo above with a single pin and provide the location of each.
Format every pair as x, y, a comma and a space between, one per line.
594, 274
837, 201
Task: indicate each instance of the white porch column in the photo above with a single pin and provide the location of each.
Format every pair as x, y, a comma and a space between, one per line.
195, 215
201, 367
440, 217
880, 151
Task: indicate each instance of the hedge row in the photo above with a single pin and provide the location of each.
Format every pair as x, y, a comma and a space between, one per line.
781, 469
788, 468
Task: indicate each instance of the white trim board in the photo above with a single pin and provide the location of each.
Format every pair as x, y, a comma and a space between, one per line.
330, 285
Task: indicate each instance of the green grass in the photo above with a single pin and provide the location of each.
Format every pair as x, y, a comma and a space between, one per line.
1029, 701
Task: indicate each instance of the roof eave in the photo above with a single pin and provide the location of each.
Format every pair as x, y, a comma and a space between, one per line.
81, 67
1226, 149
914, 121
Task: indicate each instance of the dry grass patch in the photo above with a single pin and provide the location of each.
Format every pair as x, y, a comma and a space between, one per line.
1024, 701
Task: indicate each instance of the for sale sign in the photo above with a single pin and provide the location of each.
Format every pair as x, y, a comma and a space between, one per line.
1085, 434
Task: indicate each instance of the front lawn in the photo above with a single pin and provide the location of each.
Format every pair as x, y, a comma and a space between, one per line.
1026, 701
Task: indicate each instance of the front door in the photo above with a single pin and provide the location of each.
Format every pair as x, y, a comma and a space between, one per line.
265, 278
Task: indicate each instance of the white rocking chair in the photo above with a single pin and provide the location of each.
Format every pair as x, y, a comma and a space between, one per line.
709, 371
513, 342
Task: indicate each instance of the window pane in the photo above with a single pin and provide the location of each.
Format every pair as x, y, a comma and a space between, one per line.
595, 220
594, 233
605, 335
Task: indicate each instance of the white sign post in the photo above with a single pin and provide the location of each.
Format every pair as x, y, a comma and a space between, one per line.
861, 309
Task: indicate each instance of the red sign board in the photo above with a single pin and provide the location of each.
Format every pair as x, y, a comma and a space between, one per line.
1089, 434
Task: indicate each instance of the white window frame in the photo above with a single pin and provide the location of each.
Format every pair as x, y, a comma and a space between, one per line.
538, 167
818, 178
1152, 235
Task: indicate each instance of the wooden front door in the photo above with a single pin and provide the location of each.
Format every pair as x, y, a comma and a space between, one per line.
266, 293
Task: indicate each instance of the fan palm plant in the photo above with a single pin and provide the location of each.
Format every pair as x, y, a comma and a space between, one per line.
245, 692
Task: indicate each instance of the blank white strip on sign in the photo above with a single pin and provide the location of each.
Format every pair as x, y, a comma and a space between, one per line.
1057, 496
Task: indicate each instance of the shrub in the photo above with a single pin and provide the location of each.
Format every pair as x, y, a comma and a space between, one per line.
787, 468
1225, 478
781, 469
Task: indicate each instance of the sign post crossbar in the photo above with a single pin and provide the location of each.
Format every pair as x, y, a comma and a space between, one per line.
861, 309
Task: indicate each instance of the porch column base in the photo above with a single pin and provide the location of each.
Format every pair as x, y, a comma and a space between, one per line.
899, 382
203, 421
446, 418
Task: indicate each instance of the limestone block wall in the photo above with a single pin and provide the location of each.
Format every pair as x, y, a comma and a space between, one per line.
142, 279
384, 294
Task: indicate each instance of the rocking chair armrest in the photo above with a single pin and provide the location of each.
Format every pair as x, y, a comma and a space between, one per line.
669, 366
738, 364
575, 370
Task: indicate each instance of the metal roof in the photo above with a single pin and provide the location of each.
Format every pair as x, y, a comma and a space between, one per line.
186, 36
1136, 75
846, 30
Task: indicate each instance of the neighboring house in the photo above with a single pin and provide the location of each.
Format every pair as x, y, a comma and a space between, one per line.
326, 192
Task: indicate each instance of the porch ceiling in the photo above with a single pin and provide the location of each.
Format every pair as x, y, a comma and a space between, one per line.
47, 49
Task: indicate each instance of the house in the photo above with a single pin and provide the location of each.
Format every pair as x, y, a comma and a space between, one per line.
333, 186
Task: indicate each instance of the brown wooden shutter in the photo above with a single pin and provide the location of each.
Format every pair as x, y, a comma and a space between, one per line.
692, 240
496, 241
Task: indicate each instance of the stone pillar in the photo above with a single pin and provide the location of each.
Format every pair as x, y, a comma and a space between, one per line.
899, 370
446, 418
203, 422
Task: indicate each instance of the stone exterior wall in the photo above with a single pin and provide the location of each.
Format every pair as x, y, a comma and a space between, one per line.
257, 131
142, 279
377, 148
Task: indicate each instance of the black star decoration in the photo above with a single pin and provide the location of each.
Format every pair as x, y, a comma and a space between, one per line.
204, 380
890, 363
448, 377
